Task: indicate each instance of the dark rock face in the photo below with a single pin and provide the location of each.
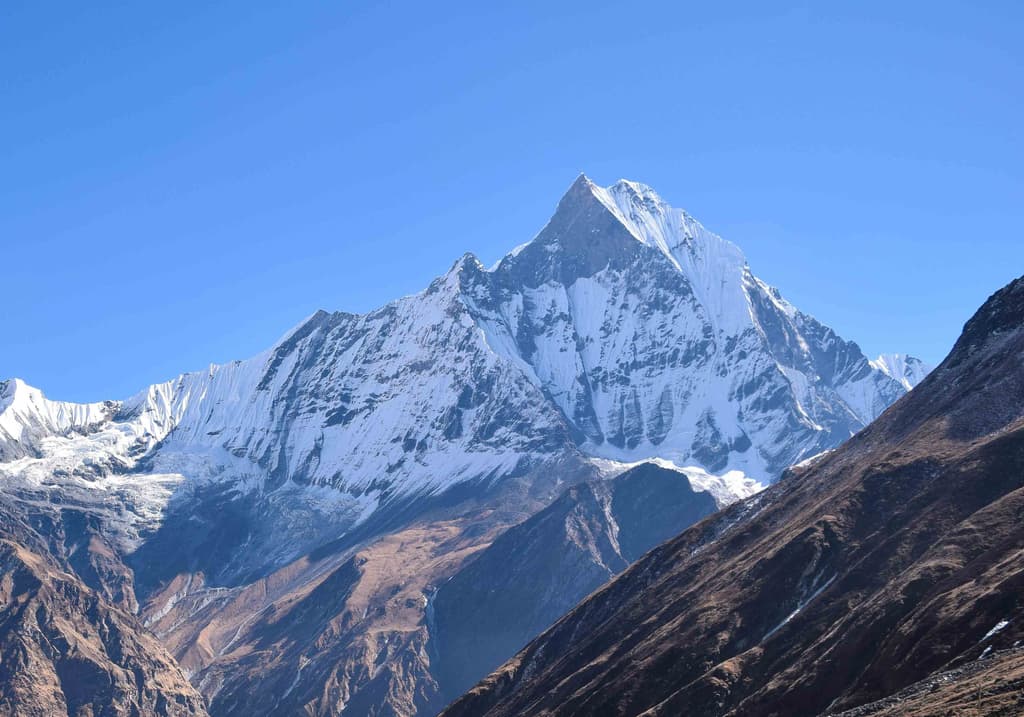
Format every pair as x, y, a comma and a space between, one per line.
876, 567
68, 651
581, 239
536, 571
207, 536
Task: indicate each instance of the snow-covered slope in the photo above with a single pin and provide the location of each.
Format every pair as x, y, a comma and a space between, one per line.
624, 331
654, 338
27, 417
908, 370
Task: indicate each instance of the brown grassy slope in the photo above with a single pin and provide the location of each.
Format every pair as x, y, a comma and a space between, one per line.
990, 687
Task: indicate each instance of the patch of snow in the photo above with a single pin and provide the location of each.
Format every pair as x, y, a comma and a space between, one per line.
996, 628
725, 489
803, 603
811, 460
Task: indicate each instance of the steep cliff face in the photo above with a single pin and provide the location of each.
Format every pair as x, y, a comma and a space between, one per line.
213, 502
872, 569
907, 370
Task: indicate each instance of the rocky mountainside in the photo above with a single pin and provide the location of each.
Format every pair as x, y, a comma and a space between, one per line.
224, 499
67, 650
534, 572
655, 340
893, 562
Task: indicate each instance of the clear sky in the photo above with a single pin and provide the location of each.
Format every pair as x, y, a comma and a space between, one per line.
182, 182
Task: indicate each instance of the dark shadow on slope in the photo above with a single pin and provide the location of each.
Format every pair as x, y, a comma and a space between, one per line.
536, 571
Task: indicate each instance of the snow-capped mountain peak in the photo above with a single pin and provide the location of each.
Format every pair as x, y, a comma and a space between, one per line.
715, 268
617, 278
623, 331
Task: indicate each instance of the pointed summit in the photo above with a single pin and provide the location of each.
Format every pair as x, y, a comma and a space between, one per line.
581, 180
583, 236
582, 190
635, 189
594, 228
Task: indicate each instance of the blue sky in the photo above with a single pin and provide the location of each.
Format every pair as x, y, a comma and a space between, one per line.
181, 183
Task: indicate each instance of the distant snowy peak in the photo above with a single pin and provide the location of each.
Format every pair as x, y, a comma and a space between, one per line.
21, 403
715, 268
645, 217
907, 370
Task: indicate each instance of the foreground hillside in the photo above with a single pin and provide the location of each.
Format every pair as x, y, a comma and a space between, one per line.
890, 560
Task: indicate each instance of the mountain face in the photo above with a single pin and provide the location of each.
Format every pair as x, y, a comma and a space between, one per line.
654, 339
623, 331
68, 650
224, 499
877, 579
907, 370
534, 572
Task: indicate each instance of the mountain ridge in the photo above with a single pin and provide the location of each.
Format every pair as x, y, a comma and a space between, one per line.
226, 497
